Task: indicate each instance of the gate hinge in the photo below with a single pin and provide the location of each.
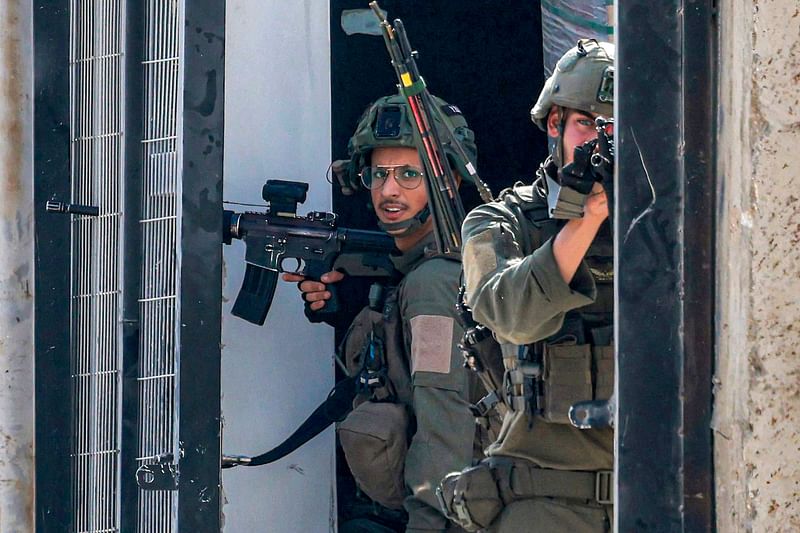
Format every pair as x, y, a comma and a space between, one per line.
162, 475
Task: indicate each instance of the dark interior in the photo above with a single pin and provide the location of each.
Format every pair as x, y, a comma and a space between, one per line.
483, 56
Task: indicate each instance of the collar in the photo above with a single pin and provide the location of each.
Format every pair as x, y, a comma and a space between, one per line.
408, 260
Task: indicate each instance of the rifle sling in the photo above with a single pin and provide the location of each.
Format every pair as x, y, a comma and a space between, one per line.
334, 409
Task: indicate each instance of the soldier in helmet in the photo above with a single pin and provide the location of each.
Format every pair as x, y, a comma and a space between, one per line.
538, 270
404, 343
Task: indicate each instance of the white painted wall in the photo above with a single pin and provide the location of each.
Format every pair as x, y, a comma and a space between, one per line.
16, 267
757, 408
277, 125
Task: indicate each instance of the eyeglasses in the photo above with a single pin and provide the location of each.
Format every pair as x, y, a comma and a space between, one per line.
406, 176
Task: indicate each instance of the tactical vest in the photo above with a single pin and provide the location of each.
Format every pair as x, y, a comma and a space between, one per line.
376, 434
577, 363
483, 356
538, 454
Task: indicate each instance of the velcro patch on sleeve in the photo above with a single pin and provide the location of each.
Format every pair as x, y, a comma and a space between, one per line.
431, 343
451, 110
479, 257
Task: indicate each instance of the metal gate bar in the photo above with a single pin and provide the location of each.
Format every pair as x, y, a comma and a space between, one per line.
96, 97
159, 224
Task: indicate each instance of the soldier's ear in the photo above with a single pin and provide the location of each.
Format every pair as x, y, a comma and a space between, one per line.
553, 119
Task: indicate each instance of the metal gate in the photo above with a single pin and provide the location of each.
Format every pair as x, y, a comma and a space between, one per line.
96, 168
128, 283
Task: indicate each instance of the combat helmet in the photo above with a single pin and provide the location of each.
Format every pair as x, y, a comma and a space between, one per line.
583, 79
388, 122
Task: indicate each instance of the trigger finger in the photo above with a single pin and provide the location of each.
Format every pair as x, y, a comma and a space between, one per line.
311, 286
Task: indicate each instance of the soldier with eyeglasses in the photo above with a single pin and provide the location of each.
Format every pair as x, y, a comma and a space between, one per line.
421, 394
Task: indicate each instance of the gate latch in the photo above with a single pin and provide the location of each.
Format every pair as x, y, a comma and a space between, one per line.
53, 206
162, 475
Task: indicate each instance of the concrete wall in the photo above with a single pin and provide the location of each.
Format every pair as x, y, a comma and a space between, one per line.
277, 125
757, 412
16, 267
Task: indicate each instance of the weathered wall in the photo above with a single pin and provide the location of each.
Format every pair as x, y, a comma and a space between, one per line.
757, 412
16, 272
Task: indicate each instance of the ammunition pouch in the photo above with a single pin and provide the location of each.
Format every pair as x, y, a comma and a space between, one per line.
567, 379
377, 331
603, 360
575, 373
471, 498
374, 438
561, 376
375, 435
475, 497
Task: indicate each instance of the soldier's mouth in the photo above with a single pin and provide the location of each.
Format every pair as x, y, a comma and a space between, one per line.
393, 211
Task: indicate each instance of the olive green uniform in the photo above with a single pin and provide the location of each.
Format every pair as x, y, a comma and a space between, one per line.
443, 441
417, 327
514, 287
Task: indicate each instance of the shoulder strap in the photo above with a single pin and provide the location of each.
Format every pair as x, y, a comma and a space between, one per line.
334, 409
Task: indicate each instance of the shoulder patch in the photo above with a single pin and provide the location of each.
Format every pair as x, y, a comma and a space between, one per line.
431, 343
451, 110
480, 257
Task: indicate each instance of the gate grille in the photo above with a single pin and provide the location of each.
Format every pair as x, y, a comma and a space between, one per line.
111, 393
160, 237
96, 108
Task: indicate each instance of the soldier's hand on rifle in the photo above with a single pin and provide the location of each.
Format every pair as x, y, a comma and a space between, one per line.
596, 206
314, 292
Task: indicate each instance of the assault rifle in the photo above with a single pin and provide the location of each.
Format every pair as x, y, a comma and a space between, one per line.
568, 188
445, 204
314, 242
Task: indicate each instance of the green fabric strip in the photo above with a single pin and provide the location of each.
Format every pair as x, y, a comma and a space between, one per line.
415, 88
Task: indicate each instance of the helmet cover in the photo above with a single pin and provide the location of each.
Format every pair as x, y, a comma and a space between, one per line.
583, 79
388, 122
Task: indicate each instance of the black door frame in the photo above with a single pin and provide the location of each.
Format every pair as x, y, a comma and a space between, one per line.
51, 170
665, 228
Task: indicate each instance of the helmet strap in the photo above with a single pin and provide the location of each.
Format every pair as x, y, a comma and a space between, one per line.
552, 146
557, 148
406, 227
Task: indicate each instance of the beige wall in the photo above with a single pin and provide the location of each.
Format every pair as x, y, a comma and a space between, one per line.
757, 412
16, 267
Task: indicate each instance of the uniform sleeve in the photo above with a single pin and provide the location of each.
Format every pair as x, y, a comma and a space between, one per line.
522, 298
428, 309
443, 442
